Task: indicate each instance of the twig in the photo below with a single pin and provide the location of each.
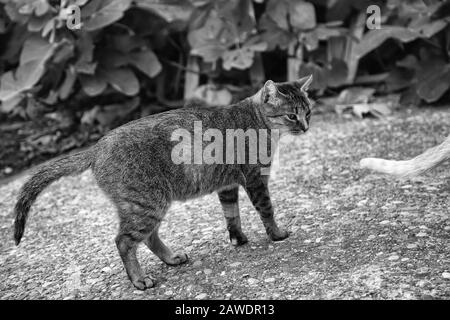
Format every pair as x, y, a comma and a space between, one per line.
179, 66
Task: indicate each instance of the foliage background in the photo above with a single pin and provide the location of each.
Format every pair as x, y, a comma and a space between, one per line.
131, 58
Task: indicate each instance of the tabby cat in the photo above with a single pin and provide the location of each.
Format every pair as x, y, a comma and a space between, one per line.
410, 168
134, 166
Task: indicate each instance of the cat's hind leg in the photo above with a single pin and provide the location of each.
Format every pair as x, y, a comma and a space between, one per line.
127, 242
155, 244
139, 218
229, 200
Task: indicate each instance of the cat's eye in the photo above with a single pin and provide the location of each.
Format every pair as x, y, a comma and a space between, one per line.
292, 117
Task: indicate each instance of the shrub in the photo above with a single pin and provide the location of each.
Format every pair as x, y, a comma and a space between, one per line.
129, 53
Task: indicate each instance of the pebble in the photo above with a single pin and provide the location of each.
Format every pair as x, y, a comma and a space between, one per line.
421, 234
106, 270
393, 257
421, 283
207, 271
384, 222
138, 292
371, 237
447, 228
8, 170
446, 275
252, 281
168, 293
92, 280
423, 271
197, 263
201, 296
235, 264
412, 246
268, 280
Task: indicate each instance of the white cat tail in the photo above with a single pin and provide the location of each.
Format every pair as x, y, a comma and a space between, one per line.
410, 168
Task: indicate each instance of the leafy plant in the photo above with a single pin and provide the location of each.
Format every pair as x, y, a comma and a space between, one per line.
98, 58
122, 50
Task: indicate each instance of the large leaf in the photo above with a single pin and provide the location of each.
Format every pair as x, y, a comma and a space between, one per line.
100, 13
374, 38
277, 10
169, 10
24, 78
147, 62
93, 85
123, 80
30, 70
430, 29
38, 7
34, 48
214, 32
435, 86
36, 23
242, 58
302, 15
7, 106
215, 29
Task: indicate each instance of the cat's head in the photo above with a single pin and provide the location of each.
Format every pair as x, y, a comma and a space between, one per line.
286, 105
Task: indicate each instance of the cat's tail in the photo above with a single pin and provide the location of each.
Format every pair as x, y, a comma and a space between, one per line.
44, 176
410, 168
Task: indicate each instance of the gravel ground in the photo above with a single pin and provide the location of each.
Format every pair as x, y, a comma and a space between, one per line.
354, 234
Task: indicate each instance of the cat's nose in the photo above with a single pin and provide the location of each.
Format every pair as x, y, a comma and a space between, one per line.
304, 125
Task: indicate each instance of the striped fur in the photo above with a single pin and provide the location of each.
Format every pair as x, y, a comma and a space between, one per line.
133, 165
414, 167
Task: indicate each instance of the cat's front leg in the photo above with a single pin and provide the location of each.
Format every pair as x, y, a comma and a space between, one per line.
230, 204
258, 193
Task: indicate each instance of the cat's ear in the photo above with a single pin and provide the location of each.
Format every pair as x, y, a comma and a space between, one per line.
269, 91
305, 82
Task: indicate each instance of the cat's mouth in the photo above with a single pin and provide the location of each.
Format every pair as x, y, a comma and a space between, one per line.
297, 132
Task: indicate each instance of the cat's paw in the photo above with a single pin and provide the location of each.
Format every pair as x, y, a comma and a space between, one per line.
176, 259
144, 283
279, 235
238, 239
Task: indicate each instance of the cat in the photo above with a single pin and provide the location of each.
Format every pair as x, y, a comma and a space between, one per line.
414, 167
133, 165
